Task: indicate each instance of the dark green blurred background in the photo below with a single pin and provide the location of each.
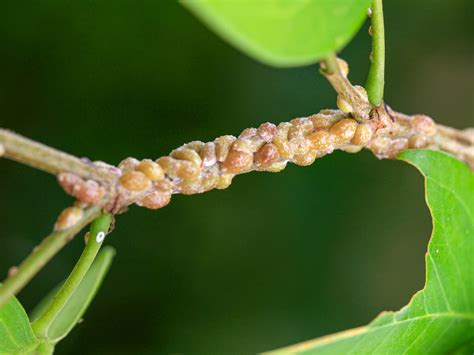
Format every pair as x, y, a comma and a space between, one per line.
276, 258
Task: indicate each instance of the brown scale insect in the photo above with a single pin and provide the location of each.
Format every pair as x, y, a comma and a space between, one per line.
135, 181
417, 141
362, 135
208, 154
68, 218
266, 156
320, 140
88, 191
155, 199
237, 161
12, 271
423, 124
151, 169
342, 131
267, 131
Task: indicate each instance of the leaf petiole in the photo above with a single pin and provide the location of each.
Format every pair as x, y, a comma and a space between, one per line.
376, 78
98, 230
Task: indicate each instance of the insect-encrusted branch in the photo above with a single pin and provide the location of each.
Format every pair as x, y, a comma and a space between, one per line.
198, 167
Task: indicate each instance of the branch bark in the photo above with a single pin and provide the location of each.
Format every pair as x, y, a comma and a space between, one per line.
53, 161
198, 167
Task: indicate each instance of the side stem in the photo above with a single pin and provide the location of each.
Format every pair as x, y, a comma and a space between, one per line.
99, 229
376, 79
42, 254
329, 65
331, 69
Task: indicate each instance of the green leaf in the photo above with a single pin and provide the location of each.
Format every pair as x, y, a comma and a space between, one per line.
16, 335
74, 309
439, 318
283, 33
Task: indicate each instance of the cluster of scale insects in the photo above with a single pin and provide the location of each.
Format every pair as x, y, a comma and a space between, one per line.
198, 167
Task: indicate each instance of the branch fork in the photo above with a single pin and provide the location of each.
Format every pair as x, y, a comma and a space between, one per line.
351, 99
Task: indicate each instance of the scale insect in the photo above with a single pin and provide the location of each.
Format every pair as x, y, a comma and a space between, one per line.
100, 237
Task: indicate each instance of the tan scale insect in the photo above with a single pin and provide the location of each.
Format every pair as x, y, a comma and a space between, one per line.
68, 218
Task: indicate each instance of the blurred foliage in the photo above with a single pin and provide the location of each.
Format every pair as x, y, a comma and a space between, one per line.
274, 259
283, 33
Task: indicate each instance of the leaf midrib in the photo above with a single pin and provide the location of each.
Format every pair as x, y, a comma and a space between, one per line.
465, 316
456, 315
310, 344
432, 317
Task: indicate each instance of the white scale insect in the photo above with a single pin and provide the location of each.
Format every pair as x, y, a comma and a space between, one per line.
100, 237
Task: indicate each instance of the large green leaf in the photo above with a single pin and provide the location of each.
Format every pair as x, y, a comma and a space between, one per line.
283, 32
16, 335
79, 301
439, 318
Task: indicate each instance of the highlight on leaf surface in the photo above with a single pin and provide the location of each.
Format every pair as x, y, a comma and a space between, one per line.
440, 317
283, 33
16, 334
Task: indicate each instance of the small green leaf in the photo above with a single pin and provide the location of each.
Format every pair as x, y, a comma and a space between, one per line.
72, 312
439, 318
16, 335
283, 33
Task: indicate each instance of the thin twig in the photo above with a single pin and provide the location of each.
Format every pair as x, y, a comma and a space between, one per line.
42, 254
465, 136
361, 108
329, 64
376, 78
53, 161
